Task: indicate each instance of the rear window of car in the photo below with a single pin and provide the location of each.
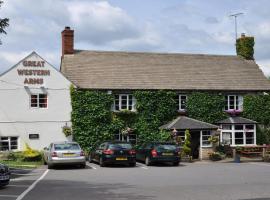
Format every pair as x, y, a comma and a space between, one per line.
120, 146
166, 147
67, 146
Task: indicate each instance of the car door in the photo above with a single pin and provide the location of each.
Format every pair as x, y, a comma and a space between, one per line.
99, 150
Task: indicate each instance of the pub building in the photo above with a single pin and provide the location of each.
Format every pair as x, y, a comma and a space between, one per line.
34, 105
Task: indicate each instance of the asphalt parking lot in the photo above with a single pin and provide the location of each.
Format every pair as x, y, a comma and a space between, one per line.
201, 180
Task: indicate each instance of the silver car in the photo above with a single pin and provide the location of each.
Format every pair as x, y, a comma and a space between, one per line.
64, 153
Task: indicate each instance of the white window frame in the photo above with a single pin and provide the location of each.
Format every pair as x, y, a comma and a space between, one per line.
120, 96
38, 99
244, 131
209, 134
180, 105
237, 103
126, 137
9, 142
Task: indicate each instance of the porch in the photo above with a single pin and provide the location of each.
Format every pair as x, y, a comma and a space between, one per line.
200, 133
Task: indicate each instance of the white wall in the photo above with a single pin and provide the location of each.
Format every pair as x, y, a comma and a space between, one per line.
17, 118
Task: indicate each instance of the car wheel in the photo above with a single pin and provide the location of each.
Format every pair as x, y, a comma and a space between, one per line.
90, 159
50, 166
175, 163
147, 161
83, 166
44, 162
101, 162
132, 164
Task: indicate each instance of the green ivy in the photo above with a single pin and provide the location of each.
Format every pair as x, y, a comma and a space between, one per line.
206, 107
154, 108
245, 47
91, 117
257, 107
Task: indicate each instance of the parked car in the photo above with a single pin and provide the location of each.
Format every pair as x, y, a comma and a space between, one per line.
64, 153
4, 175
114, 152
155, 152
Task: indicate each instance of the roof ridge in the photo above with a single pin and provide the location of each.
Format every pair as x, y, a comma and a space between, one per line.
156, 53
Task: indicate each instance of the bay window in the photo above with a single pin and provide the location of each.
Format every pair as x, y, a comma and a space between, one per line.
238, 134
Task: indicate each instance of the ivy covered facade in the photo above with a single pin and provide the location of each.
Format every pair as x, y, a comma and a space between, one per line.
142, 97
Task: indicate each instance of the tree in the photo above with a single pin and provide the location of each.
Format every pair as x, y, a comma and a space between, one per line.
3, 23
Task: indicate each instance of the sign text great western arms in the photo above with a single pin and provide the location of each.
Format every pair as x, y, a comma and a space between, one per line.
33, 72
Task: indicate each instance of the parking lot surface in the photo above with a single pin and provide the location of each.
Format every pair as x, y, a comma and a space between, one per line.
201, 180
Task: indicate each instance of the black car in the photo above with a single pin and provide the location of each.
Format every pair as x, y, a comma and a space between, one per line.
4, 175
155, 152
114, 152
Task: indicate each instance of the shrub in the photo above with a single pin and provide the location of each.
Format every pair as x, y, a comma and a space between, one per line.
187, 145
31, 155
216, 156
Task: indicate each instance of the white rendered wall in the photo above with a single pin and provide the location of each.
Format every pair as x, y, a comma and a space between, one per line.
17, 118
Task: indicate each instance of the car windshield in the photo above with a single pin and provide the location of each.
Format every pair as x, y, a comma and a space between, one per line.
166, 147
120, 146
67, 146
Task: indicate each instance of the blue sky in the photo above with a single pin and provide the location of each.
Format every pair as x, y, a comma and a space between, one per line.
184, 26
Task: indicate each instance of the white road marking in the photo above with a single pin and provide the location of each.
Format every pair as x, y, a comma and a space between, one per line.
92, 166
141, 166
10, 196
32, 186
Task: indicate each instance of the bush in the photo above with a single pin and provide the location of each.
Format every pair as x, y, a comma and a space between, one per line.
266, 158
216, 156
31, 155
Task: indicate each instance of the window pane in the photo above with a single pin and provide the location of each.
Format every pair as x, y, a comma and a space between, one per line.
226, 138
182, 101
116, 102
226, 127
239, 127
205, 137
249, 137
129, 102
250, 127
43, 100
123, 102
34, 101
239, 138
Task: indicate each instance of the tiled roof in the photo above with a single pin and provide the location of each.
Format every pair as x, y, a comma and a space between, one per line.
183, 123
236, 120
131, 70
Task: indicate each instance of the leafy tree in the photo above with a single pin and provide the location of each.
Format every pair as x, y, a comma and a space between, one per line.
3, 23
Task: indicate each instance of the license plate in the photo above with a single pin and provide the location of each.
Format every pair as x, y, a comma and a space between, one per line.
69, 154
4, 177
121, 158
167, 154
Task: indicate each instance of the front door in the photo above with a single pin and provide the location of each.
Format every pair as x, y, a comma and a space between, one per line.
195, 144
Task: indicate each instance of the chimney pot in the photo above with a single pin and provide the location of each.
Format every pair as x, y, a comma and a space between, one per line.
243, 35
67, 41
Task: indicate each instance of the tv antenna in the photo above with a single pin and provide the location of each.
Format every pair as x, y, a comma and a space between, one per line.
235, 22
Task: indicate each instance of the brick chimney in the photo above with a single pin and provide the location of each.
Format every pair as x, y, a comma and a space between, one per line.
67, 41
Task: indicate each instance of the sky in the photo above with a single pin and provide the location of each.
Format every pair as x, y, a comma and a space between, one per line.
179, 26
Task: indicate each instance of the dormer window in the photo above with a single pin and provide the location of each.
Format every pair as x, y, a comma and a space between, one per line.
124, 102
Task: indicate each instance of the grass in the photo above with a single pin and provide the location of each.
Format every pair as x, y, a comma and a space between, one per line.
22, 164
